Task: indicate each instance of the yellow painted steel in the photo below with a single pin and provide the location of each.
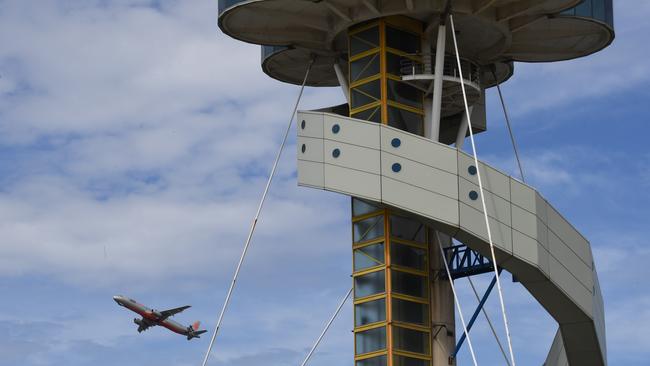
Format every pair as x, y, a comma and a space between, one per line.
401, 23
389, 323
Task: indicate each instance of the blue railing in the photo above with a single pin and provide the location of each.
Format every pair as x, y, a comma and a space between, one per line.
464, 261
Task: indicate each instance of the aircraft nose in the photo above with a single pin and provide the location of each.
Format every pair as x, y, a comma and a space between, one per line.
117, 299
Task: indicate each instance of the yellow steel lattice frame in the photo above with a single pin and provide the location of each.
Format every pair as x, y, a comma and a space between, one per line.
388, 295
397, 22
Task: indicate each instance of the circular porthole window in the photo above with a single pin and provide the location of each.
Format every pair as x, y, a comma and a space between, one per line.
473, 195
471, 170
336, 128
303, 148
336, 153
397, 167
395, 142
302, 124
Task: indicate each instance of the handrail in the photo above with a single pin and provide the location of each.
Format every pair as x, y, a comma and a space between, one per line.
419, 64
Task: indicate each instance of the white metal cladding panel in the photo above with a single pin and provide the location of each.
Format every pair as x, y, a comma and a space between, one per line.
570, 236
473, 221
528, 249
554, 357
352, 156
313, 126
313, 149
419, 149
599, 315
530, 225
420, 201
571, 261
352, 182
542, 208
571, 286
497, 207
311, 174
420, 175
352, 131
492, 179
523, 195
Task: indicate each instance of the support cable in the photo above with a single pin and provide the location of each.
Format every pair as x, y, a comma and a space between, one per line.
453, 290
480, 184
327, 327
257, 214
512, 135
494, 333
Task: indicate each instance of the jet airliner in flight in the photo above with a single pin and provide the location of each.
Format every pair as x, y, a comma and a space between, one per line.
151, 317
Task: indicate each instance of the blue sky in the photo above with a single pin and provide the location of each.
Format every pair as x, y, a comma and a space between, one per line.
134, 143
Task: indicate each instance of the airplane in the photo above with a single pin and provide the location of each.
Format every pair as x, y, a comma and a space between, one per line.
151, 317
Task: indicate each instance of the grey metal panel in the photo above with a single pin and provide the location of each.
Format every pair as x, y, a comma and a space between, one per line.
570, 260
419, 149
556, 355
570, 236
497, 207
311, 174
352, 156
352, 131
524, 221
528, 249
542, 208
313, 126
581, 343
313, 149
420, 175
420, 201
599, 316
352, 182
492, 179
473, 221
523, 195
558, 304
571, 286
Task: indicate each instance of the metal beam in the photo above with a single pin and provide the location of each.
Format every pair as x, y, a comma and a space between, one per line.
476, 312
479, 6
372, 5
341, 13
514, 9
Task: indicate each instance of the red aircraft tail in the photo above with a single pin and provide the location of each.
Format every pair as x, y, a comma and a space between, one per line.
196, 325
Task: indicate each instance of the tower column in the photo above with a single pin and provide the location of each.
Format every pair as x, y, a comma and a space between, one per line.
437, 82
443, 320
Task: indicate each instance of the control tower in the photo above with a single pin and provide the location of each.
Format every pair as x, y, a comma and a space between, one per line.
417, 200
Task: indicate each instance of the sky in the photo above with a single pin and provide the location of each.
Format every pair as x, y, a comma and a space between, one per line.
135, 142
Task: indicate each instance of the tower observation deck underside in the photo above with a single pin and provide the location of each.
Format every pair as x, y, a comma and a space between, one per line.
490, 32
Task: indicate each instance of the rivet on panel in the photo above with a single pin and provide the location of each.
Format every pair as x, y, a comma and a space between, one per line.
473, 195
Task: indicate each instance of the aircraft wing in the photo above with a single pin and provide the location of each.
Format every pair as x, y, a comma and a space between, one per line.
171, 312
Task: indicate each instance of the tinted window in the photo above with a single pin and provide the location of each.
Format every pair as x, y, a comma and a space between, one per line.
369, 312
368, 256
369, 284
370, 340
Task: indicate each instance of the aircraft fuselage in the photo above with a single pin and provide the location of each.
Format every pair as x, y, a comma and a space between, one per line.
150, 316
